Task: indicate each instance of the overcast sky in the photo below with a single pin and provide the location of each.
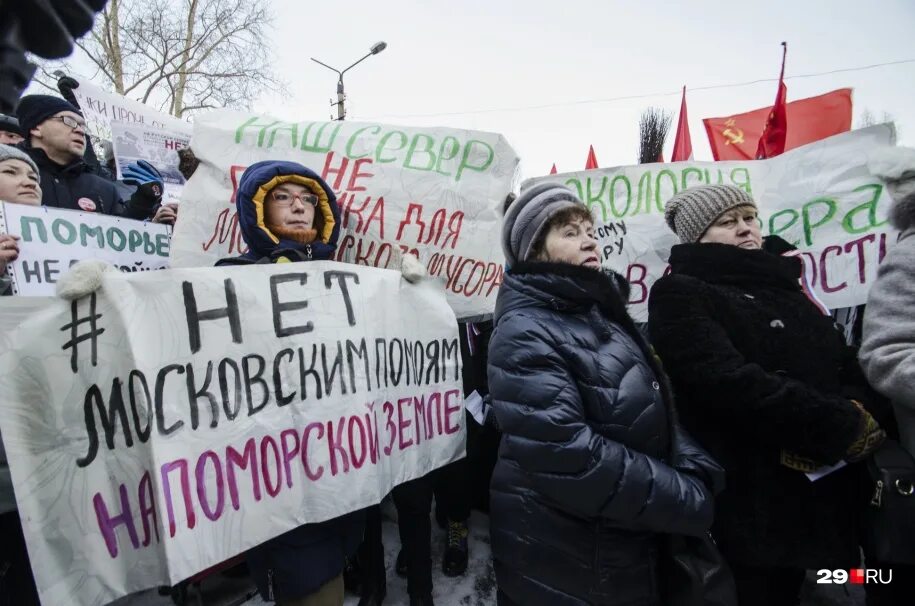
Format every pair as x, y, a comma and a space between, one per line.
456, 58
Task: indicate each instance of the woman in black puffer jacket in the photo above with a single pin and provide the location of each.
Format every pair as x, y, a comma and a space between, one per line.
591, 469
765, 381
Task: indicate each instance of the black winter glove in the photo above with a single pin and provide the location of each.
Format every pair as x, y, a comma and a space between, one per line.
65, 85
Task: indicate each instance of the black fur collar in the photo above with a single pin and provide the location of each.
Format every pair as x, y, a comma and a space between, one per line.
726, 264
566, 287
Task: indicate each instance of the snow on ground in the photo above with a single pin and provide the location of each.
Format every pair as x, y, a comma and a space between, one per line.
476, 588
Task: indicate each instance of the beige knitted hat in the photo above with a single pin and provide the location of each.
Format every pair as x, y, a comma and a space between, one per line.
691, 212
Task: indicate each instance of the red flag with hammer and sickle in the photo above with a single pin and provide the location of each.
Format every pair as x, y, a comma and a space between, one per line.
737, 137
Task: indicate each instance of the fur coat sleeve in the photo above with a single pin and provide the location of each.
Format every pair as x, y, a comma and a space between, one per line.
701, 359
888, 345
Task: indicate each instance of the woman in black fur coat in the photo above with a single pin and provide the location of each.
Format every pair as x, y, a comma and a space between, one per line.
766, 383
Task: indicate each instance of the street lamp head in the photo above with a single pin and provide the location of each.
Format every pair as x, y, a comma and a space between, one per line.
378, 47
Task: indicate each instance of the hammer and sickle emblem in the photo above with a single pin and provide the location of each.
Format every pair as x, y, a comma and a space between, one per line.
733, 134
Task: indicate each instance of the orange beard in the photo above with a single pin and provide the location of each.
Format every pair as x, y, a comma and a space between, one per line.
302, 236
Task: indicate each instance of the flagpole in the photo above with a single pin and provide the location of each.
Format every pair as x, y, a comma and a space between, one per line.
781, 76
772, 141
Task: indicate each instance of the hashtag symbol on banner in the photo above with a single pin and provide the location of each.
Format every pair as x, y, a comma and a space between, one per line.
77, 338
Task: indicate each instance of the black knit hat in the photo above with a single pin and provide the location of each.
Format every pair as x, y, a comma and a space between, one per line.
35, 109
10, 124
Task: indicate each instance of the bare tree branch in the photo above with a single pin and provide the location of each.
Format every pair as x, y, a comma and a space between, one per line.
184, 55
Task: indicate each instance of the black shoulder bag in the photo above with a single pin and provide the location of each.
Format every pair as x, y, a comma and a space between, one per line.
891, 514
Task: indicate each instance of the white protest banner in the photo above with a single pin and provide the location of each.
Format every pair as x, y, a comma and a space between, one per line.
53, 239
437, 192
100, 108
158, 146
819, 197
174, 419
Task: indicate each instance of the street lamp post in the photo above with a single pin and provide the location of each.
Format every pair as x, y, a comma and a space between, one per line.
341, 97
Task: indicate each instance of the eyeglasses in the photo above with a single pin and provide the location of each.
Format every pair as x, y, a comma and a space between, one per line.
71, 122
282, 198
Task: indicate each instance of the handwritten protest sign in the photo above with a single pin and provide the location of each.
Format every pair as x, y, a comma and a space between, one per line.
53, 239
158, 146
437, 192
819, 197
101, 108
174, 419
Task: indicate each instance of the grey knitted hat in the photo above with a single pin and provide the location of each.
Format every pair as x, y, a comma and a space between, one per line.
691, 212
8, 152
528, 215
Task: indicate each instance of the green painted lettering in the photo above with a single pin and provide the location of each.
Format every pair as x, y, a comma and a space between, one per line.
284, 127
64, 231
446, 154
486, 155
776, 230
591, 198
848, 222
25, 224
613, 209
427, 149
316, 145
742, 183
805, 214
253, 124
86, 232
374, 129
660, 198
685, 174
383, 145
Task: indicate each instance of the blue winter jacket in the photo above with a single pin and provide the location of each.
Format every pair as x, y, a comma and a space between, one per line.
592, 467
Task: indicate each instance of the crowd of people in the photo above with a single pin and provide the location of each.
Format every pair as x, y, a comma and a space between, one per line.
612, 438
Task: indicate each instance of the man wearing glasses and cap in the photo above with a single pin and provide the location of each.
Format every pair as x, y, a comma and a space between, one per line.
55, 133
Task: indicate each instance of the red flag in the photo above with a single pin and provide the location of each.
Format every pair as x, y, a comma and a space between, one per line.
591, 162
736, 137
553, 170
772, 142
683, 143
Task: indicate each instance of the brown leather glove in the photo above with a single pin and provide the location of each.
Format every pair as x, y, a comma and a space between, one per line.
870, 436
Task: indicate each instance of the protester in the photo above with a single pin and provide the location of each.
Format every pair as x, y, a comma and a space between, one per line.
592, 468
18, 185
56, 142
413, 500
10, 133
765, 381
18, 177
888, 340
888, 346
300, 221
142, 174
